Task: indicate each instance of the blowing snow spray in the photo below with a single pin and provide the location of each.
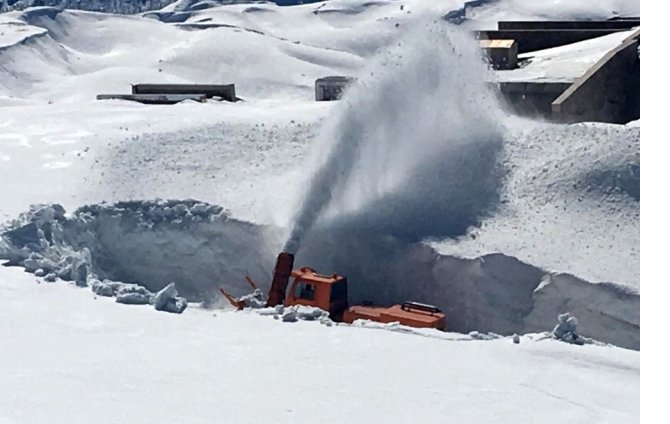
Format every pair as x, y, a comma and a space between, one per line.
420, 103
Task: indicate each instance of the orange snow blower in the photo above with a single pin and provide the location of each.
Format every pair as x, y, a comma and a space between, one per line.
329, 292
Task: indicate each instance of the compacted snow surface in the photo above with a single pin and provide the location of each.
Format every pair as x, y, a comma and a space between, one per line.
440, 198
78, 359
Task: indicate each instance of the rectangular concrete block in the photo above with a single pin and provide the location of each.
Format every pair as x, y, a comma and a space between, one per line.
501, 54
545, 25
225, 91
331, 88
608, 91
532, 99
538, 39
154, 99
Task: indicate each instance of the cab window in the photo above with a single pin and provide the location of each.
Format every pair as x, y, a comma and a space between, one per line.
305, 291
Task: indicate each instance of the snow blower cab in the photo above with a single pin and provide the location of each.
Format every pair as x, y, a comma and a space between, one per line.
327, 292
330, 293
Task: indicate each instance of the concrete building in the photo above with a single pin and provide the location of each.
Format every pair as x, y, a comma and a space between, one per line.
608, 92
224, 91
596, 79
501, 54
153, 99
331, 88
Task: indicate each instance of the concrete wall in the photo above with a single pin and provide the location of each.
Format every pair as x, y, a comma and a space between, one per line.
500, 54
154, 99
535, 25
225, 91
608, 92
531, 40
531, 99
331, 88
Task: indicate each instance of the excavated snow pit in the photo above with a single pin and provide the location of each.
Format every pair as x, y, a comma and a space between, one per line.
199, 247
492, 293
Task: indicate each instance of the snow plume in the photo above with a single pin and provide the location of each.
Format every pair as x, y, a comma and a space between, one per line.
414, 141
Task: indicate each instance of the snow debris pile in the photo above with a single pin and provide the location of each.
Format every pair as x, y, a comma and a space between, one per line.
476, 335
168, 300
303, 313
297, 313
106, 288
32, 243
254, 300
566, 330
132, 294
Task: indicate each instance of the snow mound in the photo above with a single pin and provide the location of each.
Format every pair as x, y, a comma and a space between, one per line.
570, 202
133, 294
200, 248
293, 313
566, 329
168, 300
298, 313
106, 288
15, 31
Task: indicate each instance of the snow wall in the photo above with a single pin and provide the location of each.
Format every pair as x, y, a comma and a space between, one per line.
200, 248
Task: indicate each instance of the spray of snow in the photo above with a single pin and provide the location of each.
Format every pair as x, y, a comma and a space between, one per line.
416, 129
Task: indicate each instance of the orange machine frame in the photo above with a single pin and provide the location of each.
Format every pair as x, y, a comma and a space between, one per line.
325, 287
409, 313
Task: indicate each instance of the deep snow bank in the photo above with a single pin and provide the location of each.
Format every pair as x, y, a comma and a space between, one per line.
200, 248
490, 293
570, 202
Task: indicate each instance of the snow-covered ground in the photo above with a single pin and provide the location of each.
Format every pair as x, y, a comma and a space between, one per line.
75, 358
557, 212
